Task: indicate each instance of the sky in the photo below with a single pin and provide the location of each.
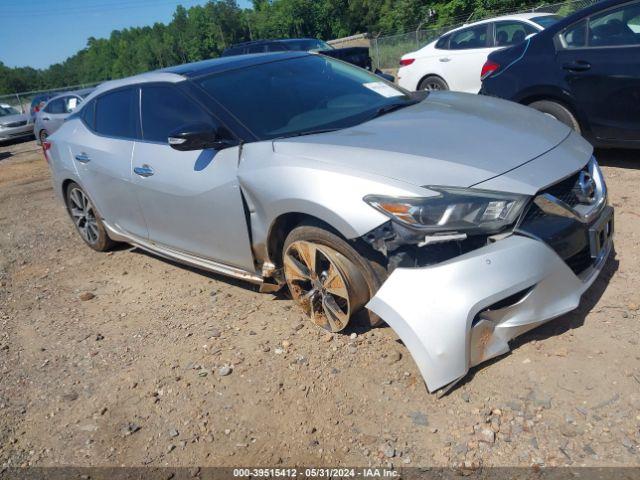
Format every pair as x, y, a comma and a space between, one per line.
38, 33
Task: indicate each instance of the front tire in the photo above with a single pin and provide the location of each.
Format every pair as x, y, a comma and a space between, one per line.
328, 278
86, 219
42, 136
557, 111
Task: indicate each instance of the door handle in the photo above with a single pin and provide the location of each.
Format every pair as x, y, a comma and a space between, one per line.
46, 119
144, 171
83, 158
444, 59
577, 66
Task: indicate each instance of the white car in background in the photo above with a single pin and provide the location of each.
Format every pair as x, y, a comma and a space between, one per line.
454, 61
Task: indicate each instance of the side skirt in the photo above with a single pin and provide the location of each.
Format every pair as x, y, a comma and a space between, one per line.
182, 257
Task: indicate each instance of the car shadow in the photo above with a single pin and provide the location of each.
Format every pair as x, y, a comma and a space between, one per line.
619, 158
557, 326
5, 155
17, 141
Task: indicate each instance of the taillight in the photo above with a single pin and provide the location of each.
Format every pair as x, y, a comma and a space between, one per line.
46, 146
406, 61
488, 69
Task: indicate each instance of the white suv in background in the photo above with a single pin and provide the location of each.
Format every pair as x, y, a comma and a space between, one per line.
454, 61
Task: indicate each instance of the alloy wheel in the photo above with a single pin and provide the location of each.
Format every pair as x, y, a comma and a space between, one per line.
432, 86
84, 216
324, 283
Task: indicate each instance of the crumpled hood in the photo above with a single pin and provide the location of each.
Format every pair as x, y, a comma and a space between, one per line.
451, 139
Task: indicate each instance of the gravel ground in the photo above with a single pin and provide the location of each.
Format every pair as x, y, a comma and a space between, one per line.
126, 359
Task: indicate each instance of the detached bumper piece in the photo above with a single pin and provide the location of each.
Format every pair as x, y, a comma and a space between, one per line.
459, 313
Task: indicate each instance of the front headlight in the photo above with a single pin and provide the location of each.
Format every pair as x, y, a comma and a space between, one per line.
453, 210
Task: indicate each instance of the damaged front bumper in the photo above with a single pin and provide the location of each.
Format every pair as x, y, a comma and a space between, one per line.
459, 313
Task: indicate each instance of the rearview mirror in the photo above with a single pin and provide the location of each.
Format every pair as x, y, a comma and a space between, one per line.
200, 136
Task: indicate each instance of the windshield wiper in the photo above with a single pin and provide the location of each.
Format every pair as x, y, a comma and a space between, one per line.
392, 108
306, 132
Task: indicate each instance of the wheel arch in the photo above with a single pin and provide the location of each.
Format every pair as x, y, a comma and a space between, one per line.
424, 77
284, 224
559, 96
65, 186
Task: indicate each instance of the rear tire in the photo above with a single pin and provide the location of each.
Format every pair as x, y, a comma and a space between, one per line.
86, 219
324, 271
557, 111
433, 83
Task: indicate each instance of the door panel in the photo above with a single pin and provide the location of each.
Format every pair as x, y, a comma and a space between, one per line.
599, 58
191, 202
104, 169
54, 114
606, 84
103, 159
462, 63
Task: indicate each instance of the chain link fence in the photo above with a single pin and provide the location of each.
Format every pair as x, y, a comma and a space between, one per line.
22, 101
386, 50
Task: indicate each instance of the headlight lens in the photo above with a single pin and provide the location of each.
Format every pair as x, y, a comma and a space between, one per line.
453, 209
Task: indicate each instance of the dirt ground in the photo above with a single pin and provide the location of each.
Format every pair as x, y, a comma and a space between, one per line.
133, 376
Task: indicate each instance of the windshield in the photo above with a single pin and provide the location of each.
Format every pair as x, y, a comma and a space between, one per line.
546, 20
7, 110
303, 94
308, 45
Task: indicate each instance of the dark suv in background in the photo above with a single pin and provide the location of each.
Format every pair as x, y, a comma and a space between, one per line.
584, 71
358, 56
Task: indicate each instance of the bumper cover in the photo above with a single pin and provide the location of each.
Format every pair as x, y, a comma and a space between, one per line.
16, 132
442, 312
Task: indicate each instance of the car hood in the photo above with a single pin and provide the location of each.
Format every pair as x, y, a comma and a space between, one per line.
451, 139
18, 117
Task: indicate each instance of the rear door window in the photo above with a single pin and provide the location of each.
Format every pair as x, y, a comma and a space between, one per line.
575, 36
56, 106
443, 43
510, 32
164, 109
472, 37
116, 113
616, 27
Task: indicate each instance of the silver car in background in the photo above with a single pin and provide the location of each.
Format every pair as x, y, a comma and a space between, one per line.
13, 124
51, 116
462, 221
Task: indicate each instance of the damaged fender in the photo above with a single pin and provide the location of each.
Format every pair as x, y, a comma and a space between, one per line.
442, 313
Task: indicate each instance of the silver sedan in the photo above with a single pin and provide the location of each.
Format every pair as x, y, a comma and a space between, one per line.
461, 221
53, 114
14, 124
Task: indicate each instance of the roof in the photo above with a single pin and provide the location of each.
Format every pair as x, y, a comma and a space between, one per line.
514, 16
180, 73
222, 64
596, 7
84, 92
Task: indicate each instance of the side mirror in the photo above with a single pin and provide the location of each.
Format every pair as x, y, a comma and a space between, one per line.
200, 136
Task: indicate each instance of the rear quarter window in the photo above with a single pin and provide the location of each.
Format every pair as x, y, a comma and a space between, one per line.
88, 114
443, 43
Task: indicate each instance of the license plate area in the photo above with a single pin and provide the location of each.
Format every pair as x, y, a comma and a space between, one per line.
601, 232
